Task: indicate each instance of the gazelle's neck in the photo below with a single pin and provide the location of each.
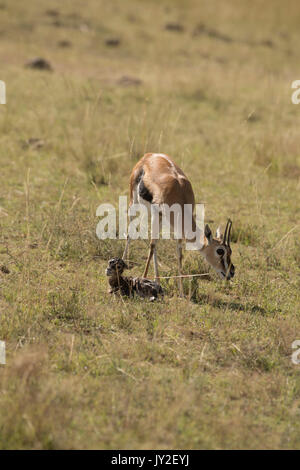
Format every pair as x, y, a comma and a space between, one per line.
195, 238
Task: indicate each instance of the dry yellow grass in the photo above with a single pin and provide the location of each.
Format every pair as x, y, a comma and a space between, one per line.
87, 371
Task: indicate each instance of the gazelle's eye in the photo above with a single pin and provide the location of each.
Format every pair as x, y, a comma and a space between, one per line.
220, 251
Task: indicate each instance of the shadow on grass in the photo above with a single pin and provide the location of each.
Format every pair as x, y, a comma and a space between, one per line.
204, 299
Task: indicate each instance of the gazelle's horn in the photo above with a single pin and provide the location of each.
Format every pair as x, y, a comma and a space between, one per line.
229, 231
225, 233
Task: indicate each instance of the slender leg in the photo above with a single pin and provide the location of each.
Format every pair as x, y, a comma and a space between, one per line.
155, 230
126, 250
155, 248
155, 265
126, 247
151, 251
179, 257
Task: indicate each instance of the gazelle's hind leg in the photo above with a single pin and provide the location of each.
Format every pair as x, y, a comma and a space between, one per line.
151, 252
128, 240
155, 231
134, 201
155, 265
179, 258
126, 250
157, 216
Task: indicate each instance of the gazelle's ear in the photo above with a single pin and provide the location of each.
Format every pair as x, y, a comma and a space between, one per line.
208, 234
219, 235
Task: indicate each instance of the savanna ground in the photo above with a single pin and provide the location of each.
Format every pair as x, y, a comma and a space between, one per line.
209, 83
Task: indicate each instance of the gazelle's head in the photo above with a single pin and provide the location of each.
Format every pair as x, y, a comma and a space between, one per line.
217, 252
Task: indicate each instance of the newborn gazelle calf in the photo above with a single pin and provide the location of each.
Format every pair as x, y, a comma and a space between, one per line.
129, 286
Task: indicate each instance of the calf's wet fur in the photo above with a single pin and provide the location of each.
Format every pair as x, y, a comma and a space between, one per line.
130, 286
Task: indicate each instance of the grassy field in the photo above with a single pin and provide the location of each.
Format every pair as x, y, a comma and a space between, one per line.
209, 83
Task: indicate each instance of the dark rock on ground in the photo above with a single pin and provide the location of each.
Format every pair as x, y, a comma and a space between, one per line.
4, 269
177, 27
213, 33
52, 13
64, 43
267, 43
112, 42
129, 81
33, 143
39, 64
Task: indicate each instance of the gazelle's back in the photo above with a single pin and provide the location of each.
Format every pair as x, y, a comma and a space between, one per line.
158, 180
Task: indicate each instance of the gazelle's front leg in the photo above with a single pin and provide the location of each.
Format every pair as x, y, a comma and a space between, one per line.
128, 240
179, 257
151, 252
155, 265
126, 247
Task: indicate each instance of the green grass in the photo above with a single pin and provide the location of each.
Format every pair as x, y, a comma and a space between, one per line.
85, 370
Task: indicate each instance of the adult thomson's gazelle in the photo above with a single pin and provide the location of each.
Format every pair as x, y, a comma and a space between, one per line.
156, 181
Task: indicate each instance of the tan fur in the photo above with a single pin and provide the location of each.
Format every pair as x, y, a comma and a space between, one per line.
169, 185
165, 180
